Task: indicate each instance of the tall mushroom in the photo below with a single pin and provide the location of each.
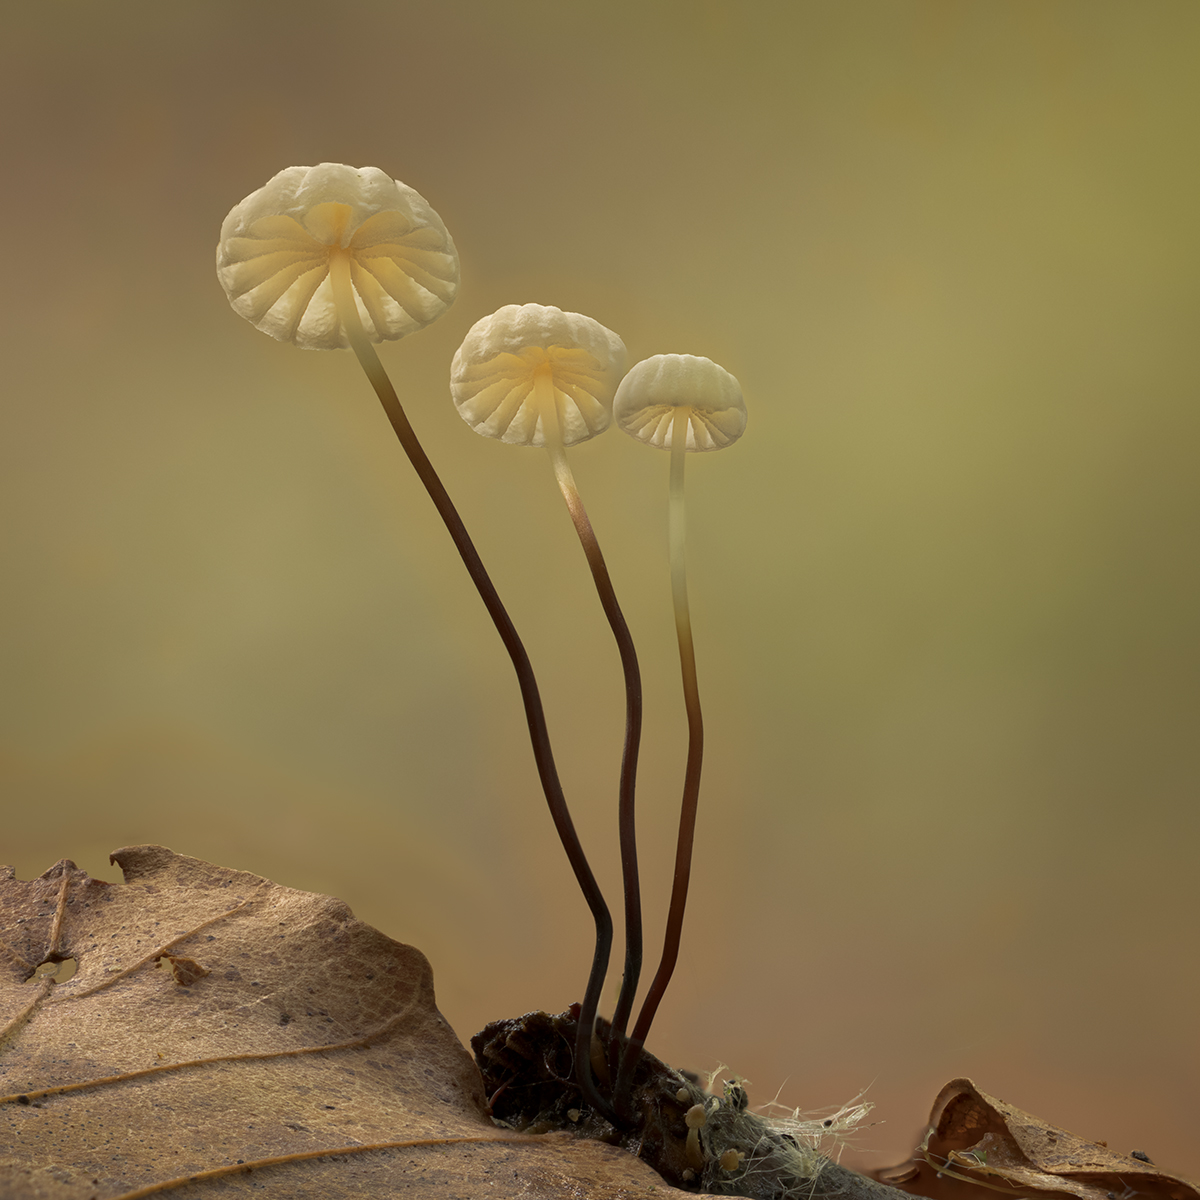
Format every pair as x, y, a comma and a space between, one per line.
533, 375
681, 403
333, 256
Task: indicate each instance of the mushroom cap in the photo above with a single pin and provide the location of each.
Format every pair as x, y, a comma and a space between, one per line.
275, 249
646, 401
494, 371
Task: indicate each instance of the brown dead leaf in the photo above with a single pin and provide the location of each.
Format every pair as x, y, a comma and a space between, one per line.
282, 1045
977, 1144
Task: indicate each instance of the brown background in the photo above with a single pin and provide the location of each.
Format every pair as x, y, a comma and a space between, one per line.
945, 589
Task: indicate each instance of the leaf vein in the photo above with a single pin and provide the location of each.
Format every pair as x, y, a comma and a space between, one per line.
162, 1068
60, 910
25, 1013
153, 955
167, 1185
25, 966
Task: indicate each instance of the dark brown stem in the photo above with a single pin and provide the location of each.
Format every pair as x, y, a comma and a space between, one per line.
535, 717
551, 425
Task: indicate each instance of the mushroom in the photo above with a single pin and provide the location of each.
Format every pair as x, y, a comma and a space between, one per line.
731, 1159
333, 256
695, 1119
533, 375
295, 254
681, 403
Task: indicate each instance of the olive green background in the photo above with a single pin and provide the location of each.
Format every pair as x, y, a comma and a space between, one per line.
945, 588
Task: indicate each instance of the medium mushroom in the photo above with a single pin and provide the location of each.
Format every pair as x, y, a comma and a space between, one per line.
682, 403
323, 256
333, 256
533, 375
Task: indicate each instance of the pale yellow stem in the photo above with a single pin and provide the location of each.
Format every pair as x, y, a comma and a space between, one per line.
677, 537
695, 755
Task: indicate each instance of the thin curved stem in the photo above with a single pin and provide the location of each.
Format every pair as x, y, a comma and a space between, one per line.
695, 755
552, 431
347, 308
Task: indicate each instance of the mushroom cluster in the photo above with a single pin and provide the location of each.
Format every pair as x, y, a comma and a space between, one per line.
331, 256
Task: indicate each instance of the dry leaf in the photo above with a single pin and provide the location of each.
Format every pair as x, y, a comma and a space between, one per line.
278, 1027
977, 1144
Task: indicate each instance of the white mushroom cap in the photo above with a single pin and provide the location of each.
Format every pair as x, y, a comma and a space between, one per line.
494, 372
646, 401
273, 257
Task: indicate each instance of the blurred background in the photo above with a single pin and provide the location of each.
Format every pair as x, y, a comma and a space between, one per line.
944, 590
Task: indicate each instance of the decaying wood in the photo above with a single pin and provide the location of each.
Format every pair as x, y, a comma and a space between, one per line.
528, 1068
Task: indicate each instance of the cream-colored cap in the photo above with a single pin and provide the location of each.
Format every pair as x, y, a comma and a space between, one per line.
273, 257
646, 401
493, 376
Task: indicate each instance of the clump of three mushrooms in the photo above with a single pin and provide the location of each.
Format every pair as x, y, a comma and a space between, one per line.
332, 256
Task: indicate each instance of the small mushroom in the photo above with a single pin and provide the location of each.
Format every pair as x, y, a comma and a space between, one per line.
533, 375
681, 403
662, 393
694, 1119
334, 256
320, 255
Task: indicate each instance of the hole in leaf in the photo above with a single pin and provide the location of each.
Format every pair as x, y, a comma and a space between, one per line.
60, 970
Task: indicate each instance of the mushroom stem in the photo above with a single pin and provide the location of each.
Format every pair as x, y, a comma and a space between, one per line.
695, 754
552, 432
347, 307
